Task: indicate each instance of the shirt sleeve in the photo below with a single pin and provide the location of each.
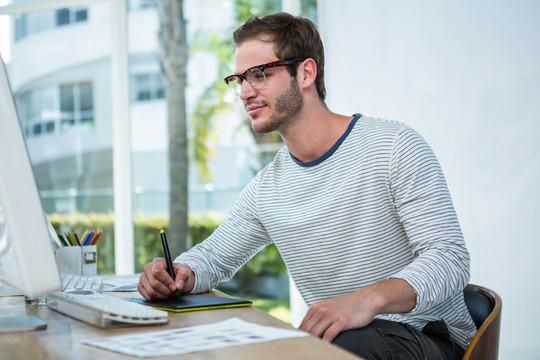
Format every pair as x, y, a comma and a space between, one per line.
233, 243
441, 265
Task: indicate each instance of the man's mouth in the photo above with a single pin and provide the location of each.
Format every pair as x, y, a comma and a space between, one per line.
254, 109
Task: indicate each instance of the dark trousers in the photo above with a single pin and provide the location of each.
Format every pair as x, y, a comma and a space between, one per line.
383, 339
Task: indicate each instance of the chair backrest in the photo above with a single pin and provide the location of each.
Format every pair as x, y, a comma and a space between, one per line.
485, 307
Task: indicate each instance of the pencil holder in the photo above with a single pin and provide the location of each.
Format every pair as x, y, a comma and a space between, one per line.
77, 260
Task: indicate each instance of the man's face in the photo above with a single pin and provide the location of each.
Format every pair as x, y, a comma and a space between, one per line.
278, 103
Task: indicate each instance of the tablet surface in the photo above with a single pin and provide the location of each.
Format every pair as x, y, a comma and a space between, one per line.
192, 302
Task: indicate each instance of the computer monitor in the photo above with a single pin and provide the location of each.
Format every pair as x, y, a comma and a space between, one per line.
27, 260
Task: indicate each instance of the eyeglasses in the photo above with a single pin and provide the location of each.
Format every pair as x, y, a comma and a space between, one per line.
255, 75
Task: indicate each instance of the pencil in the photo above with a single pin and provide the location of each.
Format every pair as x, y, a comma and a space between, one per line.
76, 238
62, 240
69, 239
95, 238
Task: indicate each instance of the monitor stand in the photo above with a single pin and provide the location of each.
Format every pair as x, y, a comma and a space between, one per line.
21, 323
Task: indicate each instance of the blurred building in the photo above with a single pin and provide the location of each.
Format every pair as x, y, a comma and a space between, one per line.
60, 74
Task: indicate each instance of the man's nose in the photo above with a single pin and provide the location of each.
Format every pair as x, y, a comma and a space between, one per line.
247, 91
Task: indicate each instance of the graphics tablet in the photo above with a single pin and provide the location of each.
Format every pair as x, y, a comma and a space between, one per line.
192, 302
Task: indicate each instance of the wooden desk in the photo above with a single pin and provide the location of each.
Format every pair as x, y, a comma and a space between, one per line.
61, 339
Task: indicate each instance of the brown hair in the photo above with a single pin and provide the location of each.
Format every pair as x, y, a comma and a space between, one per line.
293, 37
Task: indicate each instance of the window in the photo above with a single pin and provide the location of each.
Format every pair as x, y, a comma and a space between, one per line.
56, 110
62, 17
81, 15
70, 15
21, 29
74, 173
76, 106
30, 23
86, 98
26, 24
67, 107
147, 87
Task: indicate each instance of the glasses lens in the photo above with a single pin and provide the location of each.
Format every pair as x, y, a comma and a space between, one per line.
234, 85
256, 78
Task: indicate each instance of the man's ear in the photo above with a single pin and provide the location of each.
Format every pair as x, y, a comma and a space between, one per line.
307, 73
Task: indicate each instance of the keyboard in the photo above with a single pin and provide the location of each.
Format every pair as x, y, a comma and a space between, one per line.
71, 281
103, 310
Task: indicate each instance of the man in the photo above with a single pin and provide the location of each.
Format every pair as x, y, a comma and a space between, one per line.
358, 208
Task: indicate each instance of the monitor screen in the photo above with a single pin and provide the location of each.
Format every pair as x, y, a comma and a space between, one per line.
27, 259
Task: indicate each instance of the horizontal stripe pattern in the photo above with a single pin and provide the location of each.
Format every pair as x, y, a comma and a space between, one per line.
377, 207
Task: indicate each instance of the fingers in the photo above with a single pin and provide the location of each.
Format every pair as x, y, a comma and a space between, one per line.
331, 332
325, 329
324, 321
316, 321
185, 278
305, 324
155, 282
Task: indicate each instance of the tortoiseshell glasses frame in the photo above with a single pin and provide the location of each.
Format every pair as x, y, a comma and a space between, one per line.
255, 75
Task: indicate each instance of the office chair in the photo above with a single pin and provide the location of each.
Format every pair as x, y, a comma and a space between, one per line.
485, 307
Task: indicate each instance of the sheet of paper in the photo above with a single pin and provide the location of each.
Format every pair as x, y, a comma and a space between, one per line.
226, 333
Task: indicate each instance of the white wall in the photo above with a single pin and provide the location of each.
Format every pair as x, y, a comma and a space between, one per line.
466, 74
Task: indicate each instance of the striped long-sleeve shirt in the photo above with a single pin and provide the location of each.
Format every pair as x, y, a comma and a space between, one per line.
375, 206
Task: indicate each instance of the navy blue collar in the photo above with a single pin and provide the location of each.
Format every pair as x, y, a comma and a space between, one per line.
333, 148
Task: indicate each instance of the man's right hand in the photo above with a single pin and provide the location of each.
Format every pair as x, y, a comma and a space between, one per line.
156, 283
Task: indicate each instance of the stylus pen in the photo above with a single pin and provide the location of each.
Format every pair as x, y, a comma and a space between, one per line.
168, 259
